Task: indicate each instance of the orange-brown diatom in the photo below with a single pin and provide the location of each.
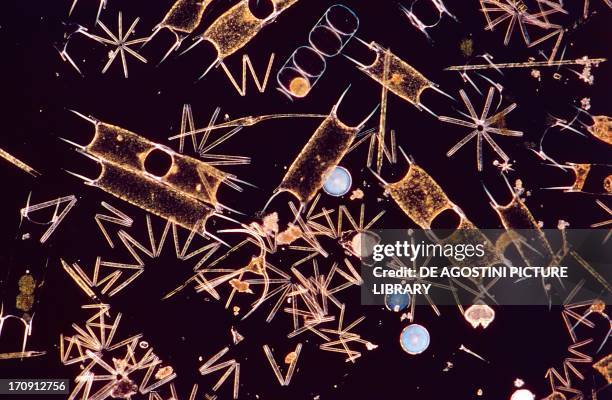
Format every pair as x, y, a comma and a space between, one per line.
421, 198
185, 194
185, 15
604, 367
581, 171
237, 26
534, 249
323, 152
402, 79
188, 175
150, 195
602, 128
516, 215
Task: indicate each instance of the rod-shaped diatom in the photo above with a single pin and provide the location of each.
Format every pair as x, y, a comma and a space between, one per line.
184, 15
188, 175
152, 196
182, 19
185, 194
323, 152
422, 199
18, 163
403, 79
21, 354
238, 26
529, 240
527, 64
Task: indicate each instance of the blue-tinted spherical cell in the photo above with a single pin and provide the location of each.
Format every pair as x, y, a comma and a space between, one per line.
397, 302
414, 339
522, 394
338, 183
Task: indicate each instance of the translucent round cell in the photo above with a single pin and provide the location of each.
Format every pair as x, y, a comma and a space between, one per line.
397, 302
362, 244
522, 394
415, 339
338, 183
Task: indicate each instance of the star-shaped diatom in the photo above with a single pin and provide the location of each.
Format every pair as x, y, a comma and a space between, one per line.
121, 42
483, 126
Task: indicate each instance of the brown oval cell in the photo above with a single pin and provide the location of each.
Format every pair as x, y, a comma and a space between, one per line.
27, 284
24, 302
607, 184
185, 15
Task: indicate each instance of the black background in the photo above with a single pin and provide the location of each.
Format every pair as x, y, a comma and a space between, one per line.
38, 90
